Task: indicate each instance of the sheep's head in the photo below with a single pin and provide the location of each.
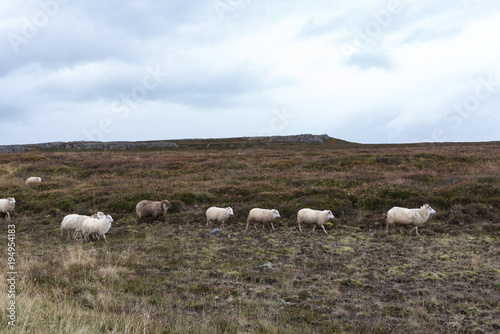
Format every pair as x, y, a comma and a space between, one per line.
165, 205
230, 210
100, 215
11, 200
110, 219
276, 213
38, 179
428, 207
329, 214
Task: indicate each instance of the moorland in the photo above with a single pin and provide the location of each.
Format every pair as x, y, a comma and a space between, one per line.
169, 275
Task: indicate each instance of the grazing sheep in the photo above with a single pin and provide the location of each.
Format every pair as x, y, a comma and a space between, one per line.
413, 217
74, 222
147, 208
33, 180
96, 226
316, 217
7, 205
219, 214
262, 216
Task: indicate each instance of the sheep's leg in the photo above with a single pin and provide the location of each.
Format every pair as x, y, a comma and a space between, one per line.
247, 225
208, 221
272, 226
324, 229
400, 231
104, 236
7, 216
222, 225
300, 228
314, 227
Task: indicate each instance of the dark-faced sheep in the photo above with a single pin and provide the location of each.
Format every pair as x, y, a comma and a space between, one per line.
147, 208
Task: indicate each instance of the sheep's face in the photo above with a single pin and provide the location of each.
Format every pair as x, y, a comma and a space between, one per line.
165, 205
428, 207
230, 211
276, 213
100, 215
12, 200
38, 179
111, 220
330, 214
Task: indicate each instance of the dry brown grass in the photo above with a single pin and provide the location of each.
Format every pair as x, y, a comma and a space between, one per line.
169, 276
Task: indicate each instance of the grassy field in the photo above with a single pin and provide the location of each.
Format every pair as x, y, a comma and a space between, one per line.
170, 276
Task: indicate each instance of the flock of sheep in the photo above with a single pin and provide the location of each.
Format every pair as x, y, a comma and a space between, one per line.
99, 224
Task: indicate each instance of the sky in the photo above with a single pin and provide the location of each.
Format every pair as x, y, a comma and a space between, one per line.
394, 71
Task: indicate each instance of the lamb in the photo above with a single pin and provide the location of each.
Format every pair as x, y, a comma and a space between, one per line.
96, 226
33, 180
147, 208
74, 222
413, 217
262, 216
219, 214
7, 205
316, 217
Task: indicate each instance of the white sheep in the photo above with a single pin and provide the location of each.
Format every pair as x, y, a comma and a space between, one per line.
33, 180
7, 205
147, 208
262, 216
74, 222
316, 217
96, 226
413, 217
219, 214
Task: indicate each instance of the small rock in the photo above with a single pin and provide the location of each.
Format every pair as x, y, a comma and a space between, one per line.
216, 232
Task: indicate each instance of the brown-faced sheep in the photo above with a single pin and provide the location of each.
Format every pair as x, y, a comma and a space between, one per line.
147, 208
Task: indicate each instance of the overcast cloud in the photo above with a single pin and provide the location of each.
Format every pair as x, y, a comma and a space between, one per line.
364, 71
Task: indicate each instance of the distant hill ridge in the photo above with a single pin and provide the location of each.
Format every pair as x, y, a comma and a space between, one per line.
126, 145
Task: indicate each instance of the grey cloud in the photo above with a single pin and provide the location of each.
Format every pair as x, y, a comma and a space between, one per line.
366, 60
